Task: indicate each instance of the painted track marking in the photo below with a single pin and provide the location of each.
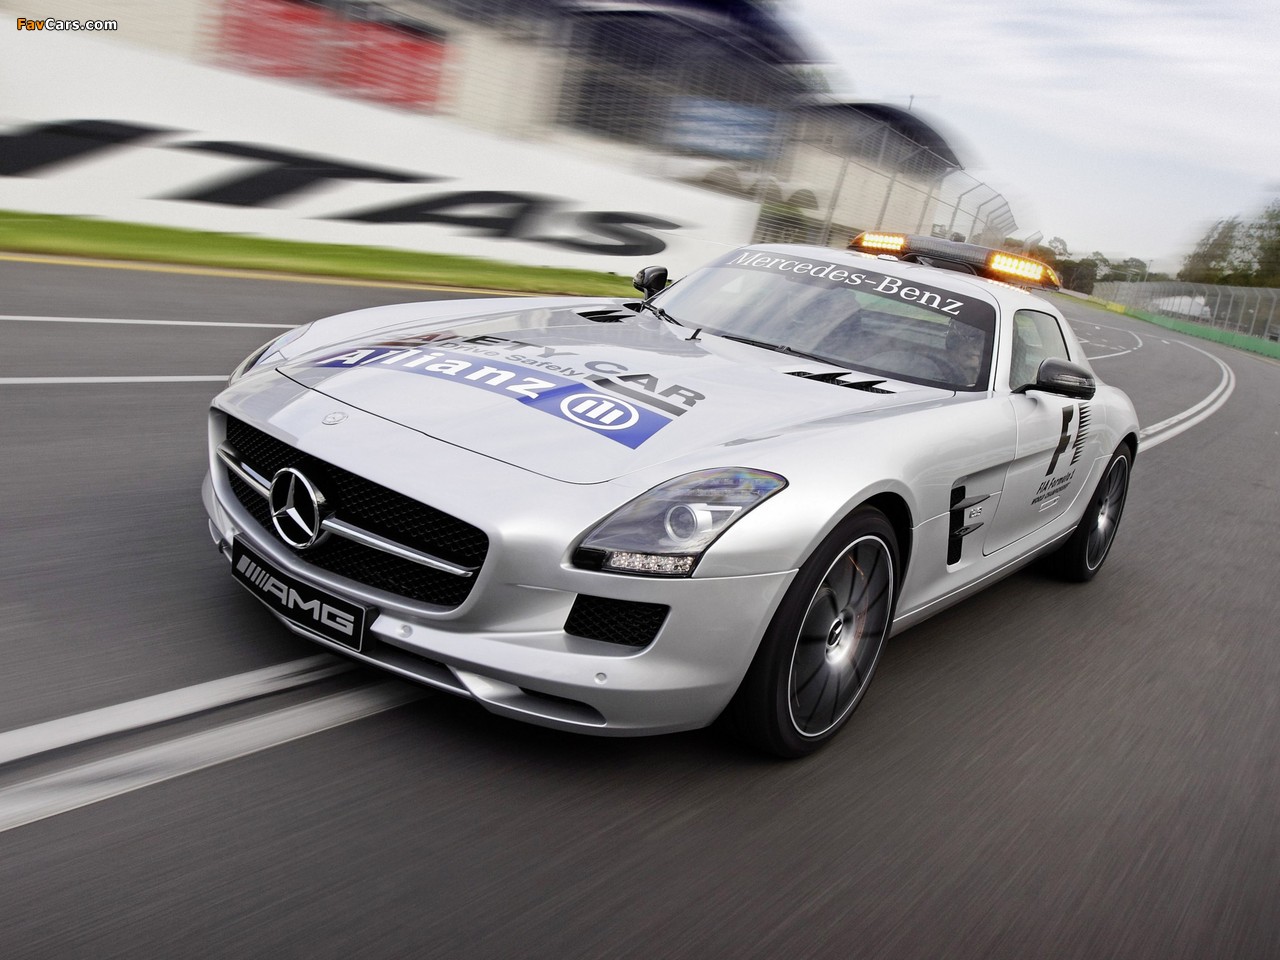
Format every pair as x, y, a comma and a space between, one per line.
207, 378
202, 378
1119, 353
159, 323
67, 790
1169, 428
148, 711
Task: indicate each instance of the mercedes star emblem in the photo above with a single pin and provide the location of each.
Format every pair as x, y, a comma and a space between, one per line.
297, 509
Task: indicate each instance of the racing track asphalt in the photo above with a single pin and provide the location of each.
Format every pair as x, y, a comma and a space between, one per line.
1046, 770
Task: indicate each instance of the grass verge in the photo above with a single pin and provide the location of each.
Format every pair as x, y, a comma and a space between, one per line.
76, 236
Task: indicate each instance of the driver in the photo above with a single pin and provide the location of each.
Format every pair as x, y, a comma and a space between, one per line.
964, 350
831, 322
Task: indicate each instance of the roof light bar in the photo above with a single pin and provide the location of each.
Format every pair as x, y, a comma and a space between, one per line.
1021, 267
890, 242
953, 254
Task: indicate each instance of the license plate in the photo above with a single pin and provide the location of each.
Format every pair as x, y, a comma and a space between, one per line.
298, 602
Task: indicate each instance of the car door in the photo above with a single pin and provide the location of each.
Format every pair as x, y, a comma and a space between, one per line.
1054, 453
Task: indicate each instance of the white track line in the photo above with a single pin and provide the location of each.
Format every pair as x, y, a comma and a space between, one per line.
158, 323
1103, 326
209, 378
100, 780
43, 737
1158, 433
1121, 353
1171, 427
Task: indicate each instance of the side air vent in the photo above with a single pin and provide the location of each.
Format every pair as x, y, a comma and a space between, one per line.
628, 622
960, 527
612, 315
867, 386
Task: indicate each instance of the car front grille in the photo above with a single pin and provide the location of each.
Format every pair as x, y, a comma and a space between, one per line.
372, 508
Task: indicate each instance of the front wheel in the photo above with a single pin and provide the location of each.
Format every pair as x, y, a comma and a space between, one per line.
1081, 557
816, 659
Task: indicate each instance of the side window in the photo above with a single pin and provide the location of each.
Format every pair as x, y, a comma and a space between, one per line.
1036, 338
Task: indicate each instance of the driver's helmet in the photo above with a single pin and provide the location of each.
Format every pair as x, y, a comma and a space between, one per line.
963, 337
965, 344
829, 306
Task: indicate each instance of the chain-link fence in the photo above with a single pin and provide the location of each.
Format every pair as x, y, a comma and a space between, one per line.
853, 167
1253, 311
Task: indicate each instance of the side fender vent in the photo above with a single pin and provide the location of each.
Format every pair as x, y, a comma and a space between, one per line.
960, 525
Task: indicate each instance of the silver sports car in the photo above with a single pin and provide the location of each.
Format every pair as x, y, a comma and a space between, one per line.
630, 517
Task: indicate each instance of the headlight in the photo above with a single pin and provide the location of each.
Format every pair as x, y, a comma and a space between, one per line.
267, 352
664, 532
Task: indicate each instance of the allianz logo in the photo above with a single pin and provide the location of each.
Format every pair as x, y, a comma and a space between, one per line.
599, 412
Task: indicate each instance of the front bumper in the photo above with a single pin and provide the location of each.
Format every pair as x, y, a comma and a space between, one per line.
506, 646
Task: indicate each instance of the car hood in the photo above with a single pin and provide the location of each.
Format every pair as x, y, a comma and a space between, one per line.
584, 393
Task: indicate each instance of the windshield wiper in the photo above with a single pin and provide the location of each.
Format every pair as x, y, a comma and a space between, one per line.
658, 311
780, 348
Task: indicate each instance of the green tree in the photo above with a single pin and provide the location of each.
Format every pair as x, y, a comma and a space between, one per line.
1220, 257
1078, 275
1130, 268
1044, 255
1263, 237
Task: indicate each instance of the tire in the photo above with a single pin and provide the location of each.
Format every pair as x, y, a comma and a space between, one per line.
1081, 557
817, 657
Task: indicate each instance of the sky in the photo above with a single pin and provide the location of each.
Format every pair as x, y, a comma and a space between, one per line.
1123, 126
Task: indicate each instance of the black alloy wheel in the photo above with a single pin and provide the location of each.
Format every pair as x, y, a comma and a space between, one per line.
1081, 557
817, 657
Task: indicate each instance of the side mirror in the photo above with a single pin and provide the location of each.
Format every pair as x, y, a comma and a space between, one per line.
649, 280
1064, 378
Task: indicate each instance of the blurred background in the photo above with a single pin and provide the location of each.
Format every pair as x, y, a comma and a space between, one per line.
711, 123
720, 95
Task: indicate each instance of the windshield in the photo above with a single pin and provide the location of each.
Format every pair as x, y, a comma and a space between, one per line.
844, 314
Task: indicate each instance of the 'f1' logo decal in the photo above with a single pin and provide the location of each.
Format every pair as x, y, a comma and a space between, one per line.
1064, 441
